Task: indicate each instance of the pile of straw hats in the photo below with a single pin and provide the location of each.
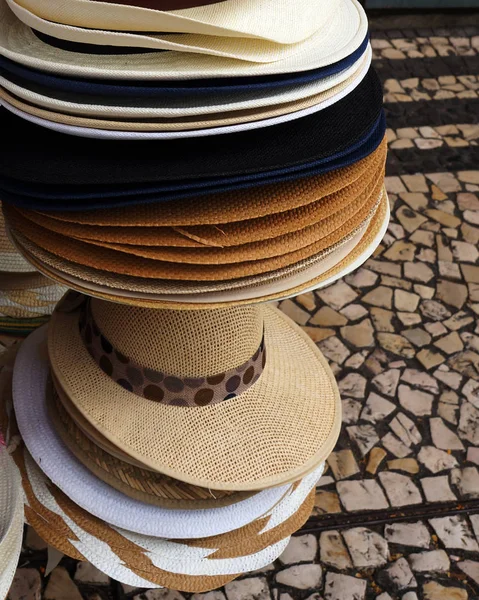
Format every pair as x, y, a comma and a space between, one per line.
27, 298
178, 165
177, 462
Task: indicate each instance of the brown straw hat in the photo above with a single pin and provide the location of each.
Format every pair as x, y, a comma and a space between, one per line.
245, 385
181, 295
250, 259
136, 482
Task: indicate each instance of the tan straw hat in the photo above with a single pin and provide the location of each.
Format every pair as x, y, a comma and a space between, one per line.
134, 481
11, 261
254, 390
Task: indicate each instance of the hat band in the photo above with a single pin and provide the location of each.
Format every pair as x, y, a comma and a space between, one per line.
162, 387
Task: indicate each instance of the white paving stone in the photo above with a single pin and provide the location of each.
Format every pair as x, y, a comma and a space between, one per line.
344, 587
471, 569
443, 437
366, 547
415, 401
406, 430
395, 446
436, 561
376, 408
408, 534
467, 482
421, 380
301, 577
353, 385
398, 576
302, 548
253, 588
437, 489
436, 460
387, 382
400, 489
363, 494
364, 436
454, 532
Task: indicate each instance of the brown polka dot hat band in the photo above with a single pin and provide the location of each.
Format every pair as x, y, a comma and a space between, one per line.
160, 387
237, 399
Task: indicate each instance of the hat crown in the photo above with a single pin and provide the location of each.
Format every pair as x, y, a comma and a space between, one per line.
181, 343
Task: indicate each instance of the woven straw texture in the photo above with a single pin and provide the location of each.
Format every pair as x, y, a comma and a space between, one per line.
10, 259
253, 50
135, 482
288, 21
274, 256
345, 31
231, 206
30, 303
191, 123
189, 109
218, 235
61, 522
79, 278
241, 449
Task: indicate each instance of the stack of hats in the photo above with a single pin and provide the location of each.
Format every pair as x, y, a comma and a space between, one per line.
177, 166
170, 460
27, 298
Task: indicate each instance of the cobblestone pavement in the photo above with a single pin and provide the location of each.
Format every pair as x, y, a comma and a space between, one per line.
397, 511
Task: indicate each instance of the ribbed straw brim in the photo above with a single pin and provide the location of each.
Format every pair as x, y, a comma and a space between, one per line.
231, 118
274, 255
141, 484
231, 206
10, 259
154, 295
346, 30
30, 303
299, 20
216, 235
242, 448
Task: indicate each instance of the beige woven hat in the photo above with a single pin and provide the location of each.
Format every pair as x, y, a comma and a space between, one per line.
310, 274
344, 32
288, 22
245, 385
188, 123
247, 49
11, 261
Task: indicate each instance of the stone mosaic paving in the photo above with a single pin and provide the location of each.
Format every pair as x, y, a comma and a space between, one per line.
397, 511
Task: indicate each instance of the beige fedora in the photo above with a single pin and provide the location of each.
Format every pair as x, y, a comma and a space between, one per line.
345, 33
238, 398
288, 21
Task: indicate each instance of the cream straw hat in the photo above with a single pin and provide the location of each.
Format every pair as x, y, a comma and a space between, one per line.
288, 21
345, 32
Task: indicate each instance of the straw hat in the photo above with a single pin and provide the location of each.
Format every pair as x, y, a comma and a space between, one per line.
11, 261
319, 271
298, 21
190, 565
107, 129
345, 31
92, 494
276, 360
11, 495
190, 107
248, 49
